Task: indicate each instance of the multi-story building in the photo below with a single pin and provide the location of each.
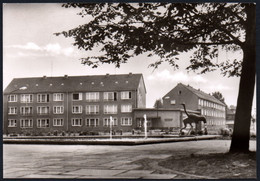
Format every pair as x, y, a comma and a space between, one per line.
197, 100
73, 104
230, 116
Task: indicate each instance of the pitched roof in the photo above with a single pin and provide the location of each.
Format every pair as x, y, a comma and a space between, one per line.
199, 93
107, 82
203, 95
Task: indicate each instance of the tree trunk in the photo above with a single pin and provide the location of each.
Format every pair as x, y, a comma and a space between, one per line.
241, 134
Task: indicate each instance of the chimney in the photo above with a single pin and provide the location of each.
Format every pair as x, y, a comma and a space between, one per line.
130, 73
66, 76
44, 77
107, 74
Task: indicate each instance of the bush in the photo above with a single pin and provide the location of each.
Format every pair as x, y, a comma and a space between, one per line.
13, 134
205, 131
224, 132
200, 132
55, 133
182, 133
63, 133
192, 132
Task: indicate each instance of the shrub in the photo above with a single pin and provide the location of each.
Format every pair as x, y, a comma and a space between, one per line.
63, 133
192, 132
200, 132
224, 132
205, 131
35, 134
55, 133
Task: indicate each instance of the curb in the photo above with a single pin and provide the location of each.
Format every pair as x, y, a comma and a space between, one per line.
82, 141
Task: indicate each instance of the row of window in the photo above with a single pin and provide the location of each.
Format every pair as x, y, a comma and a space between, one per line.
89, 122
211, 105
216, 122
213, 113
76, 109
90, 97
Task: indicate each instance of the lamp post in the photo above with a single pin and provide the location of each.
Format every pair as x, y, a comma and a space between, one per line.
7, 107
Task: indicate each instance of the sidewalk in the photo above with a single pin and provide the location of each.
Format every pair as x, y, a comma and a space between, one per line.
102, 161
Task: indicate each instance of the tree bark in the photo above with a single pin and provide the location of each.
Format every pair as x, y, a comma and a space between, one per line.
241, 134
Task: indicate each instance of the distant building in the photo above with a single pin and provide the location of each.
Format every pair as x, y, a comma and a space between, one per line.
197, 100
230, 116
73, 104
230, 119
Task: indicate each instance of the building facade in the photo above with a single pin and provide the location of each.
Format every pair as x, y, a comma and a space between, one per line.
160, 118
197, 100
73, 104
230, 116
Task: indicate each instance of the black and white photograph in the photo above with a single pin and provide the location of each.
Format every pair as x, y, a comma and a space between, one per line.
129, 90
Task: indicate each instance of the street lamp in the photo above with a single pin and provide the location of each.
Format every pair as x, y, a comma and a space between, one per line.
7, 107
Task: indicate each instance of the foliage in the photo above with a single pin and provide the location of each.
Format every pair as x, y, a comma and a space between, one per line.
158, 103
218, 96
123, 30
164, 30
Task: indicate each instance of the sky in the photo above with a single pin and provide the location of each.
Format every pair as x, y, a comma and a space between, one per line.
30, 49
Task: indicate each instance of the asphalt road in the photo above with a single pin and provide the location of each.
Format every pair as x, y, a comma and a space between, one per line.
98, 161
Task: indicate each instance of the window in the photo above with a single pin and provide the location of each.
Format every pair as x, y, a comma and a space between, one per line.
92, 96
76, 121
26, 123
42, 123
179, 92
110, 96
43, 110
26, 110
92, 109
11, 122
200, 102
92, 122
77, 109
58, 97
77, 96
126, 121
110, 109
42, 97
126, 95
173, 102
58, 122
126, 108
26, 98
12, 110
12, 98
106, 122
58, 110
